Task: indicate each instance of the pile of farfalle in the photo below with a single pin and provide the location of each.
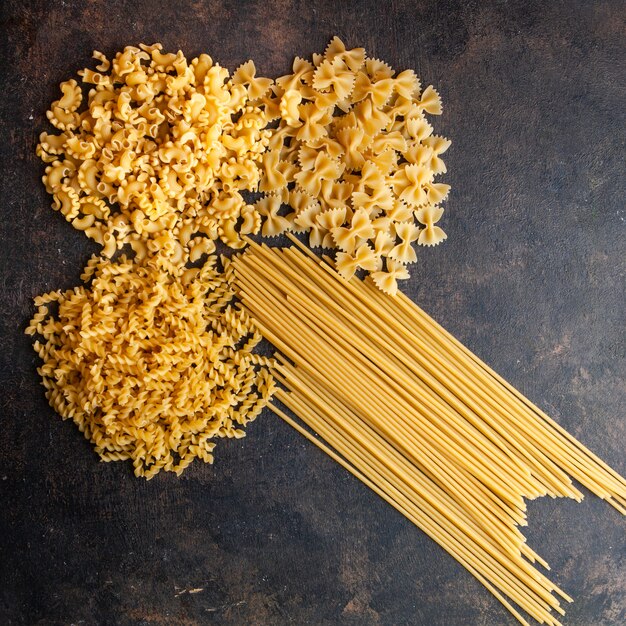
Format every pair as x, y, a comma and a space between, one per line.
341, 149
355, 160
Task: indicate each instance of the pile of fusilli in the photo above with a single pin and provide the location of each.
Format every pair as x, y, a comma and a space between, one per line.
151, 363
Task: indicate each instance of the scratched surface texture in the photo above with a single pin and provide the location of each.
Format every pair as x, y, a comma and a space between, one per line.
531, 277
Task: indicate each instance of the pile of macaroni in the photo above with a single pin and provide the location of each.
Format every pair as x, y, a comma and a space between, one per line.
355, 159
162, 145
150, 361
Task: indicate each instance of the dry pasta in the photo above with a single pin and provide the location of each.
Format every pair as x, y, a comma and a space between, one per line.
153, 358
161, 145
354, 141
151, 361
418, 418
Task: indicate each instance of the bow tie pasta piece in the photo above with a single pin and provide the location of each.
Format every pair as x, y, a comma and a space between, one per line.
354, 58
333, 218
351, 140
335, 75
383, 243
387, 281
335, 195
407, 84
314, 121
360, 228
245, 75
307, 220
379, 91
364, 257
404, 252
273, 223
410, 182
431, 235
430, 101
302, 74
437, 145
377, 69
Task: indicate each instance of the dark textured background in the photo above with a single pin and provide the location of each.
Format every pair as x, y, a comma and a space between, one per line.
531, 277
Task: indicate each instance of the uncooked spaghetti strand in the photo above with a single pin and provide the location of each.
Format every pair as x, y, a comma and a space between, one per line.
358, 433
464, 479
493, 437
278, 279
257, 270
581, 466
588, 474
555, 478
294, 379
564, 488
539, 435
425, 451
332, 272
415, 312
348, 447
284, 314
411, 306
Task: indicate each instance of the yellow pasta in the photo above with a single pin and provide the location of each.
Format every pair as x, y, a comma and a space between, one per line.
416, 416
354, 136
160, 141
151, 361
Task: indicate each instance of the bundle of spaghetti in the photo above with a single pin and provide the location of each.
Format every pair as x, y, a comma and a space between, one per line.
418, 418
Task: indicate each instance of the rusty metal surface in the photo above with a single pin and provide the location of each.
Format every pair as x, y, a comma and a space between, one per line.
531, 277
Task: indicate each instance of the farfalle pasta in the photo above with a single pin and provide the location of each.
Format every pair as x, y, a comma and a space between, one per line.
354, 142
159, 144
151, 361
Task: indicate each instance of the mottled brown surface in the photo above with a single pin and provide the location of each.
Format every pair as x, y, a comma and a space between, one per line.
531, 277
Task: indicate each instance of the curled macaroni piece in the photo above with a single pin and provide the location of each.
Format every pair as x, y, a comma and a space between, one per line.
152, 361
161, 142
354, 137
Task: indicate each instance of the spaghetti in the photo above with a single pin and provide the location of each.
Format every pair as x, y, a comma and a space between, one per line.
418, 418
